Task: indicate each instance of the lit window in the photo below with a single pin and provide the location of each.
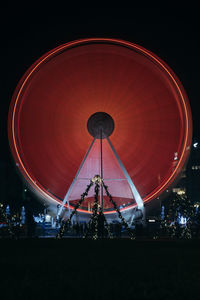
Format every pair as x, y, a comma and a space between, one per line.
195, 167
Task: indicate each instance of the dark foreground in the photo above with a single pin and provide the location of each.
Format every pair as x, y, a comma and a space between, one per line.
104, 269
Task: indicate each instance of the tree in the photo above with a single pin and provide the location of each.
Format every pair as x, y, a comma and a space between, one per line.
179, 217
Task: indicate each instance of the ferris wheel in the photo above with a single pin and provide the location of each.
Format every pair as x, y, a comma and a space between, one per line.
99, 106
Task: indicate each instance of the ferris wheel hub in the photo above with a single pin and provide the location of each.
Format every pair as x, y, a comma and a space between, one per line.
100, 123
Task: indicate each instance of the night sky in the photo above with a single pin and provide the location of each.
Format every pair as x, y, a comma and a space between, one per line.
169, 32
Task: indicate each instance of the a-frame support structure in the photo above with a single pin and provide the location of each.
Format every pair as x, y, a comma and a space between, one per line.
133, 188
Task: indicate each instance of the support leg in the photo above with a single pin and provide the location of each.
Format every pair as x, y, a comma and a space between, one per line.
65, 224
65, 200
136, 195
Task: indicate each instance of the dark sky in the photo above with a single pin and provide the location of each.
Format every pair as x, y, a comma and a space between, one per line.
170, 32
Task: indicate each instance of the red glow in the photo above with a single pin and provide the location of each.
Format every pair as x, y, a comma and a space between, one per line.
53, 101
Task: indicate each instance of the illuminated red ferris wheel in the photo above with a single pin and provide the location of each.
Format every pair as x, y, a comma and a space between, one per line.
91, 87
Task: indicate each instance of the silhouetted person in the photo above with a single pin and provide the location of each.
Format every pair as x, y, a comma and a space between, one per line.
101, 221
30, 224
77, 228
118, 230
17, 229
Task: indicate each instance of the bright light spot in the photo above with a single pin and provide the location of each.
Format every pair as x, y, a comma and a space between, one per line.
47, 218
141, 206
195, 167
175, 156
181, 192
195, 145
152, 221
183, 220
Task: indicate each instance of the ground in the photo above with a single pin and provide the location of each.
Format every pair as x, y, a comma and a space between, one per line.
108, 269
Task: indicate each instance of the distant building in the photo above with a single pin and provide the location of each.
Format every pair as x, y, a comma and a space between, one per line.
189, 181
193, 173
